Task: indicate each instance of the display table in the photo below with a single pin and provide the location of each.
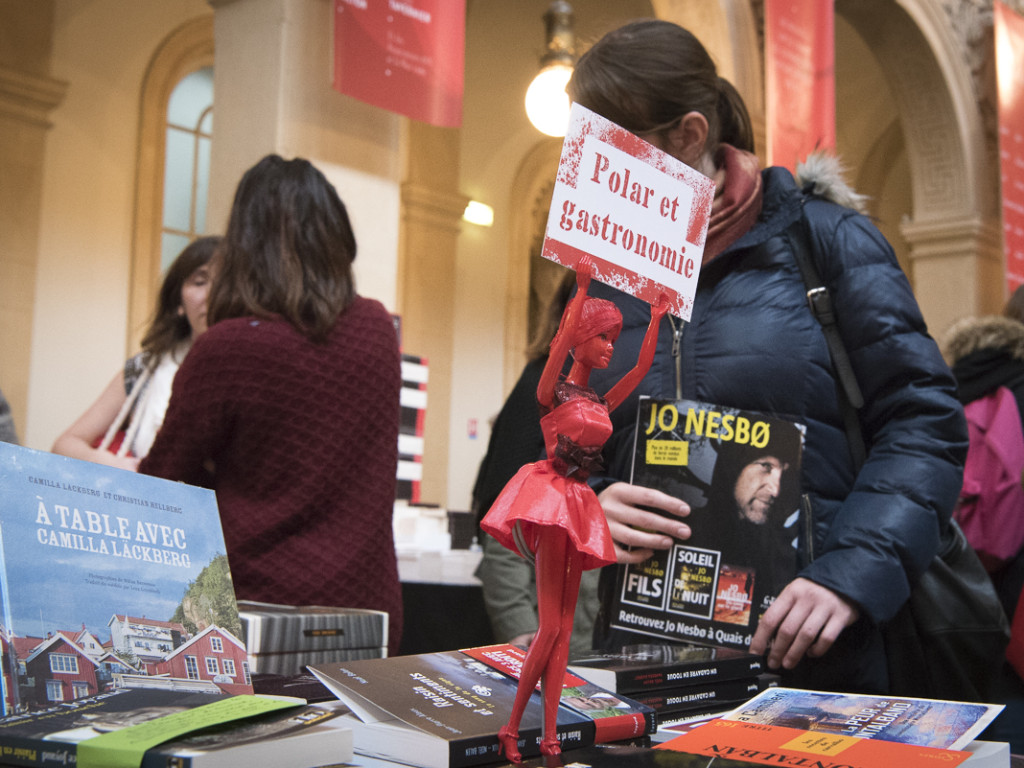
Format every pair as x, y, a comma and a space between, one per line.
361, 761
453, 567
442, 601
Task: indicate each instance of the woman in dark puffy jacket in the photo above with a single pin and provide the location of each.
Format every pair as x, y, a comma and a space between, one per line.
752, 343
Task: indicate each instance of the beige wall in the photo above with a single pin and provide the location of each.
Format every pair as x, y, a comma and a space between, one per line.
101, 49
273, 94
28, 95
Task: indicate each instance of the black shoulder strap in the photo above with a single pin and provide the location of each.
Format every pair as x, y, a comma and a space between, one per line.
820, 302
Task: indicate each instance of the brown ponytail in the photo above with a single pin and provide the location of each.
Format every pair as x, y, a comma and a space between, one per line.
733, 119
647, 74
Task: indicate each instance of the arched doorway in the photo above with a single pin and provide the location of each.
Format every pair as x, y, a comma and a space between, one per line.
916, 124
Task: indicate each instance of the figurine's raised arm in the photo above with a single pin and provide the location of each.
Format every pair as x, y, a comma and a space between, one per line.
620, 391
561, 344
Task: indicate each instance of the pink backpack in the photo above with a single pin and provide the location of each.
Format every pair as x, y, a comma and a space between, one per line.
991, 505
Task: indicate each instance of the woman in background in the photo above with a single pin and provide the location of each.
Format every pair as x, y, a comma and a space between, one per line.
288, 405
118, 429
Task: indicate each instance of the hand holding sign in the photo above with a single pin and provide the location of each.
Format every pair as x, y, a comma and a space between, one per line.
641, 214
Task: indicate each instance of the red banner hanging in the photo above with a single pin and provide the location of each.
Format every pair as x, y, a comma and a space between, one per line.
1009, 31
799, 79
405, 56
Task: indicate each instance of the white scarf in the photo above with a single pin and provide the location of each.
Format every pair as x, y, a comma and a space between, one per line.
147, 403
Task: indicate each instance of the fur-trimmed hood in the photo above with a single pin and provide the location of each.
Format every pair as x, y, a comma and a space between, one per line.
823, 176
977, 333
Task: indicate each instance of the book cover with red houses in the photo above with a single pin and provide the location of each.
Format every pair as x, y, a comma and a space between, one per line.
104, 574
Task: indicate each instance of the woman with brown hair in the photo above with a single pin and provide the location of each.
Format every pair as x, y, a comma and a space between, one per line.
752, 343
288, 406
118, 429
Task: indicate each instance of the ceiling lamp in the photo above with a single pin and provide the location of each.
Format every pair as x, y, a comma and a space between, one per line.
547, 104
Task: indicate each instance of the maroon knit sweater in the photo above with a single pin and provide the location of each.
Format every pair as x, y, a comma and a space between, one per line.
302, 439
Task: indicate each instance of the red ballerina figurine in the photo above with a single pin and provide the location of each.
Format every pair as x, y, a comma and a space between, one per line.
547, 513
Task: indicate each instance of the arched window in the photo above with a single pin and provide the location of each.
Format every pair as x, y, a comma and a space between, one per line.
172, 172
186, 163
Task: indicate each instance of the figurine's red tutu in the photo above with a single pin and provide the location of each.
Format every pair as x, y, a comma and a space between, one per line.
554, 492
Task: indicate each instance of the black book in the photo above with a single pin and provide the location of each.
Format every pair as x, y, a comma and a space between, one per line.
724, 694
51, 735
301, 686
650, 666
298, 737
739, 471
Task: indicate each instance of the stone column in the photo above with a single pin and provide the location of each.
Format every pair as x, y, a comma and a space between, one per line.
956, 268
431, 213
27, 97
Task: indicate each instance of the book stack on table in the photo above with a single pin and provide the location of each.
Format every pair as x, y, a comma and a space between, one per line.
792, 726
166, 728
678, 681
283, 639
444, 709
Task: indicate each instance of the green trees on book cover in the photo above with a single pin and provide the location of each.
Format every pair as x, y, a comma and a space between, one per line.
210, 599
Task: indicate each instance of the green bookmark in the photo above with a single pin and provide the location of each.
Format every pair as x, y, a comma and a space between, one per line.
125, 748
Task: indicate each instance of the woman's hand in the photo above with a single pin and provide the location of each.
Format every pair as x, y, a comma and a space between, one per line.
523, 640
806, 618
636, 530
79, 449
77, 440
130, 463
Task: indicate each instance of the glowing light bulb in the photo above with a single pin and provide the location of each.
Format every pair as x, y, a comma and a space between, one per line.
478, 213
547, 104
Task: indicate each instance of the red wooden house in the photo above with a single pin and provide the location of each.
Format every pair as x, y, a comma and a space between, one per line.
57, 669
213, 654
14, 653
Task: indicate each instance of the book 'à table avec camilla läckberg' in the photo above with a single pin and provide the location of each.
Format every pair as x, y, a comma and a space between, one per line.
105, 576
739, 472
105, 571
